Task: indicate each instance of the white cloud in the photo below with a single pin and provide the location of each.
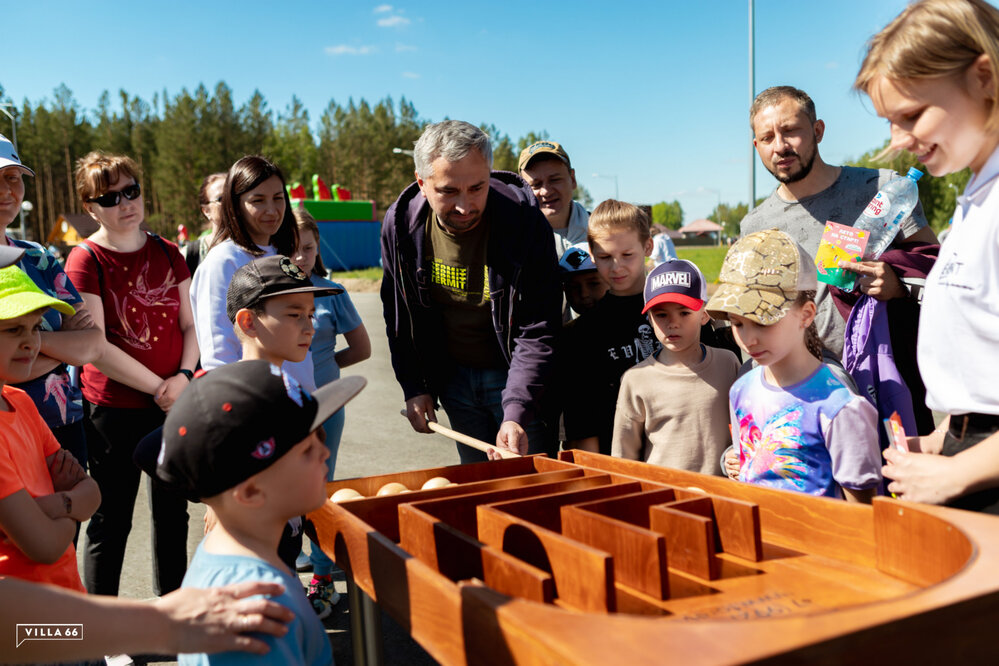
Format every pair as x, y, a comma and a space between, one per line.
410, 75
381, 9
347, 49
392, 21
404, 48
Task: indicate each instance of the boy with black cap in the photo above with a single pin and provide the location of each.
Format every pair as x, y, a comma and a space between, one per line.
245, 440
672, 409
271, 303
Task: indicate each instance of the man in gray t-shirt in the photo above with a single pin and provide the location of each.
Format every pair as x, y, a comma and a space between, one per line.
787, 134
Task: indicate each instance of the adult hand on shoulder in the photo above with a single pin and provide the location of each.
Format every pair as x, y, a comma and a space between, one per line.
419, 410
511, 436
923, 477
218, 619
877, 279
169, 390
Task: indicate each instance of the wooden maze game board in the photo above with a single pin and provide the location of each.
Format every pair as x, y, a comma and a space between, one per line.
591, 559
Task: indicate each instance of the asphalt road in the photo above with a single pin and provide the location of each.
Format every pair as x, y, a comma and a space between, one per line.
376, 440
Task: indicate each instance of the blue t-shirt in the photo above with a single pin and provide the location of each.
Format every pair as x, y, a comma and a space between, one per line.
306, 641
57, 400
810, 437
335, 315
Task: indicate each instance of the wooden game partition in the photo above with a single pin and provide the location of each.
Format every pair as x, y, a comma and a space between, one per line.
595, 560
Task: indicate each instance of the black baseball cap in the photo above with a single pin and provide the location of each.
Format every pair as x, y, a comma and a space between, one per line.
236, 421
265, 277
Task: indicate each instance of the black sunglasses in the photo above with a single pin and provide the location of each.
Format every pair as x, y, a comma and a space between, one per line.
112, 199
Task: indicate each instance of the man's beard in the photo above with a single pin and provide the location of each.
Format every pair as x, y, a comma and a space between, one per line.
800, 174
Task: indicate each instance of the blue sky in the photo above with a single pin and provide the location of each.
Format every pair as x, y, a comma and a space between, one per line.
655, 93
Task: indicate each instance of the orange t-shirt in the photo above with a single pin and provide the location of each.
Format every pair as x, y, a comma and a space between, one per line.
25, 441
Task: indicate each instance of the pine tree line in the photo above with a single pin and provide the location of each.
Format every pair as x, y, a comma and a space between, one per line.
178, 140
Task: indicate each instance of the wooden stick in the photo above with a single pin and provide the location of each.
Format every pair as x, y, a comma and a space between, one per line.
467, 440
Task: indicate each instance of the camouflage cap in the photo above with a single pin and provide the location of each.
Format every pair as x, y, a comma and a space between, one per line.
761, 277
540, 148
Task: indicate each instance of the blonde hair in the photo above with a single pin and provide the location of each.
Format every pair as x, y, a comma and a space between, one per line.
96, 170
613, 215
934, 39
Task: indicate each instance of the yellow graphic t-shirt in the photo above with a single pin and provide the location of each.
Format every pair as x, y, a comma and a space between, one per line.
459, 286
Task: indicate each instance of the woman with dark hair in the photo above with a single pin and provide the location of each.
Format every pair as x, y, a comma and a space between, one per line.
256, 221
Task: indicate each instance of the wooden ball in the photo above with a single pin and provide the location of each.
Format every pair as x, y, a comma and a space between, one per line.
345, 494
392, 488
436, 482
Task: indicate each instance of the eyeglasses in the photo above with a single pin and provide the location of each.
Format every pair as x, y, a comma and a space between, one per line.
112, 199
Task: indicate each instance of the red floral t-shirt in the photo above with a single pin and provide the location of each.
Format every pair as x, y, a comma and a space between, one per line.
141, 299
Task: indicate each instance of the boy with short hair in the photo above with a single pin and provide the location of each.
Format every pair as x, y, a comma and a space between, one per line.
673, 406
245, 439
613, 336
44, 492
271, 303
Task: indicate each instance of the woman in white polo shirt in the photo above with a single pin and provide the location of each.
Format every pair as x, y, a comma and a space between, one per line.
934, 74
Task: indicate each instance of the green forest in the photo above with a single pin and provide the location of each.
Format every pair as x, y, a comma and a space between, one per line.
177, 140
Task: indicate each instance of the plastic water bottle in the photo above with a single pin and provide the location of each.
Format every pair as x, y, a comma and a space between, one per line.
886, 211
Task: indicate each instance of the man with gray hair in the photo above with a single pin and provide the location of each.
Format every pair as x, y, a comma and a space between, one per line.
471, 294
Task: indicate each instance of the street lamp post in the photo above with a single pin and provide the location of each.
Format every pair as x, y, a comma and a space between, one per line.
612, 177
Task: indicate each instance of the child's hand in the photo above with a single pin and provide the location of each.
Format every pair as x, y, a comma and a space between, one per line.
168, 391
65, 471
79, 321
732, 463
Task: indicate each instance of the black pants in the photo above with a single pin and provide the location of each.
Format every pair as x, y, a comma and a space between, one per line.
112, 434
965, 431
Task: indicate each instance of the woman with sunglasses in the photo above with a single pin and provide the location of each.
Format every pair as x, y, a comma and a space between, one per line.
137, 288
73, 340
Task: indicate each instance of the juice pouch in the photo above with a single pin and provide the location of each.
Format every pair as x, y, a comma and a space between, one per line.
896, 433
839, 242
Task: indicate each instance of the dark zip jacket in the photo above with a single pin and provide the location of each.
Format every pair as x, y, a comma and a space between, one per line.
524, 290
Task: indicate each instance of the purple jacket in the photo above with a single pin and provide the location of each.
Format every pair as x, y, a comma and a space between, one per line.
525, 295
868, 357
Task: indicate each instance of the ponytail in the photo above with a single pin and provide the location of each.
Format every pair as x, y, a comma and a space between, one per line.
812, 339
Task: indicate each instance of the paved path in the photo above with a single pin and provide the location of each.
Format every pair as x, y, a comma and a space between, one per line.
376, 440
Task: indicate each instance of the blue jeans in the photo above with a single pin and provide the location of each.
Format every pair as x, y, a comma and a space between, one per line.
321, 564
473, 400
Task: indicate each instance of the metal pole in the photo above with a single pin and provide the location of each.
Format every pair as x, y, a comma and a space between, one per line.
752, 95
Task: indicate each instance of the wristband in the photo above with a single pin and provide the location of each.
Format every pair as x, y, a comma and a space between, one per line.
187, 373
